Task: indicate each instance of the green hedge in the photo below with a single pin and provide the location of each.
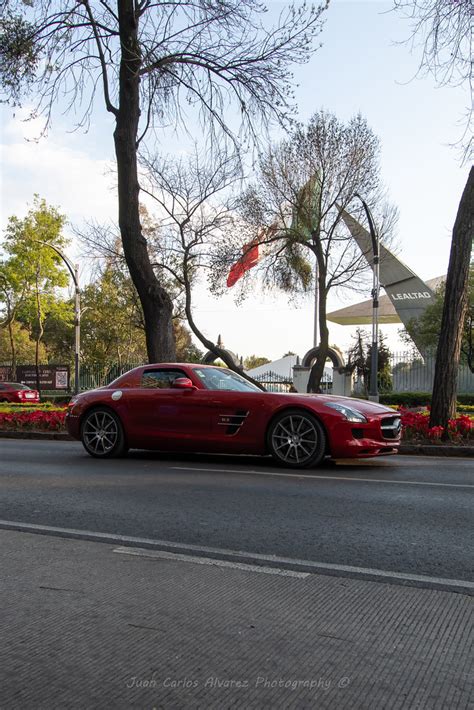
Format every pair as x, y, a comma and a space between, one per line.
58, 399
419, 399
14, 407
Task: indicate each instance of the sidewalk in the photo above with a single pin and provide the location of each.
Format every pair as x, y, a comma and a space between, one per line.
86, 627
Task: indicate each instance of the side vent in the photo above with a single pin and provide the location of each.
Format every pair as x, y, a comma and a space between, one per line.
232, 422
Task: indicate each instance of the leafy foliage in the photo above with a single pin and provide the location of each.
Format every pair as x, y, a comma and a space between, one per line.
426, 329
32, 272
360, 359
255, 361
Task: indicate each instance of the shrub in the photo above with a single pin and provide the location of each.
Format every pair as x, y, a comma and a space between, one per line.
416, 428
420, 399
50, 420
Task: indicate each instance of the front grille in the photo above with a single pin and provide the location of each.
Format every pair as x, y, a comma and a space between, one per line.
391, 427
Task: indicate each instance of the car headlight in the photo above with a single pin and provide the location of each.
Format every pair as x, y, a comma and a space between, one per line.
352, 415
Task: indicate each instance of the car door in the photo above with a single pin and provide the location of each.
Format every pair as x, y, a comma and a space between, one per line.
163, 416
237, 421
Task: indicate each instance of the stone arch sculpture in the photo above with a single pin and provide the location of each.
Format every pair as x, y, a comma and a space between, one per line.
334, 355
209, 358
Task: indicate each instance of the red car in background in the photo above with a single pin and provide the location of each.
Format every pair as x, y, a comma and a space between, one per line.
18, 393
201, 408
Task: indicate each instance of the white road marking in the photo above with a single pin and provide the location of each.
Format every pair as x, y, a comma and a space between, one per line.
324, 478
270, 560
159, 554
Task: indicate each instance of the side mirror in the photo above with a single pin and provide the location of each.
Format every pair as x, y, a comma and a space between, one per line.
183, 383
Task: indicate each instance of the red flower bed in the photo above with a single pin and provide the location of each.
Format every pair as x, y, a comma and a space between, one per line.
416, 427
35, 420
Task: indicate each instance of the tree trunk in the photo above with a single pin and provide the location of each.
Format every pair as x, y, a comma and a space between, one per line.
156, 303
443, 405
214, 349
12, 349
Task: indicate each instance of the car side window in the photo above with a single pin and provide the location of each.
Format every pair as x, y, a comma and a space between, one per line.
160, 379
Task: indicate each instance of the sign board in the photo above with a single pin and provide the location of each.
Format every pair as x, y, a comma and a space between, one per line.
5, 373
52, 377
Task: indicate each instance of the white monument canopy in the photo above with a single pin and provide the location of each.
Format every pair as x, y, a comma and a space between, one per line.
362, 313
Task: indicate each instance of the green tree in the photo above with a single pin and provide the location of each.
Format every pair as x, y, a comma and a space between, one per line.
24, 347
426, 329
113, 330
360, 360
255, 361
112, 323
13, 290
40, 267
151, 60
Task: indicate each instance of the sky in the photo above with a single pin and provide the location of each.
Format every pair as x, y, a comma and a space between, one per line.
363, 66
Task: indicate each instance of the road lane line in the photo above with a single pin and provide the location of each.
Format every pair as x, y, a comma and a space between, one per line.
324, 478
367, 573
176, 557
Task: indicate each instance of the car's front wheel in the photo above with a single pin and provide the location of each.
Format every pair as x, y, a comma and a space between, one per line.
296, 439
102, 434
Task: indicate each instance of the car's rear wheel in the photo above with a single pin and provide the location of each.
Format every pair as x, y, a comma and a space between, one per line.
102, 434
296, 439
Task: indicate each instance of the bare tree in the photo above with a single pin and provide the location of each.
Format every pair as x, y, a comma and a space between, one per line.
443, 405
149, 60
443, 28
196, 212
294, 210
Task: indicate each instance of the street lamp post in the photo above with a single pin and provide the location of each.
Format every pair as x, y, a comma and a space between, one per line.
374, 360
74, 271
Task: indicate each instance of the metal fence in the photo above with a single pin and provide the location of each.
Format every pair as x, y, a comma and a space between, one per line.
274, 382
409, 372
96, 375
414, 373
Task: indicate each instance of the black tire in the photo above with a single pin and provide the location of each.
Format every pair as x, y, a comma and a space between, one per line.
102, 434
296, 439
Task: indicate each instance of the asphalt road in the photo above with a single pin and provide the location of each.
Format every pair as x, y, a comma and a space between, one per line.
408, 515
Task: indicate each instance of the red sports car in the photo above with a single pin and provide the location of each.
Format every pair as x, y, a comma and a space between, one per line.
16, 392
201, 408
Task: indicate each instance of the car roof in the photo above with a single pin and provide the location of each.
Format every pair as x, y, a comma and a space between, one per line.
178, 364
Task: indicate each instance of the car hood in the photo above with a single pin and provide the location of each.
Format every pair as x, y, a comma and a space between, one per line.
362, 405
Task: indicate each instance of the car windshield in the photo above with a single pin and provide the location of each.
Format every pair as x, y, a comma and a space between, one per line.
219, 378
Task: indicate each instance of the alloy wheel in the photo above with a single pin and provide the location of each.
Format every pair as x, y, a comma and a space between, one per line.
100, 433
296, 439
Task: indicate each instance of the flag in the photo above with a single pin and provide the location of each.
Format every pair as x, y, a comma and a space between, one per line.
305, 213
249, 259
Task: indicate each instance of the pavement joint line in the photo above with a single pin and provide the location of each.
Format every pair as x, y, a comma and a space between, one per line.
176, 557
325, 478
367, 573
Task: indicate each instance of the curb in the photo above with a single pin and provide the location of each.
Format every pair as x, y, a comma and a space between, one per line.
45, 435
436, 450
405, 449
